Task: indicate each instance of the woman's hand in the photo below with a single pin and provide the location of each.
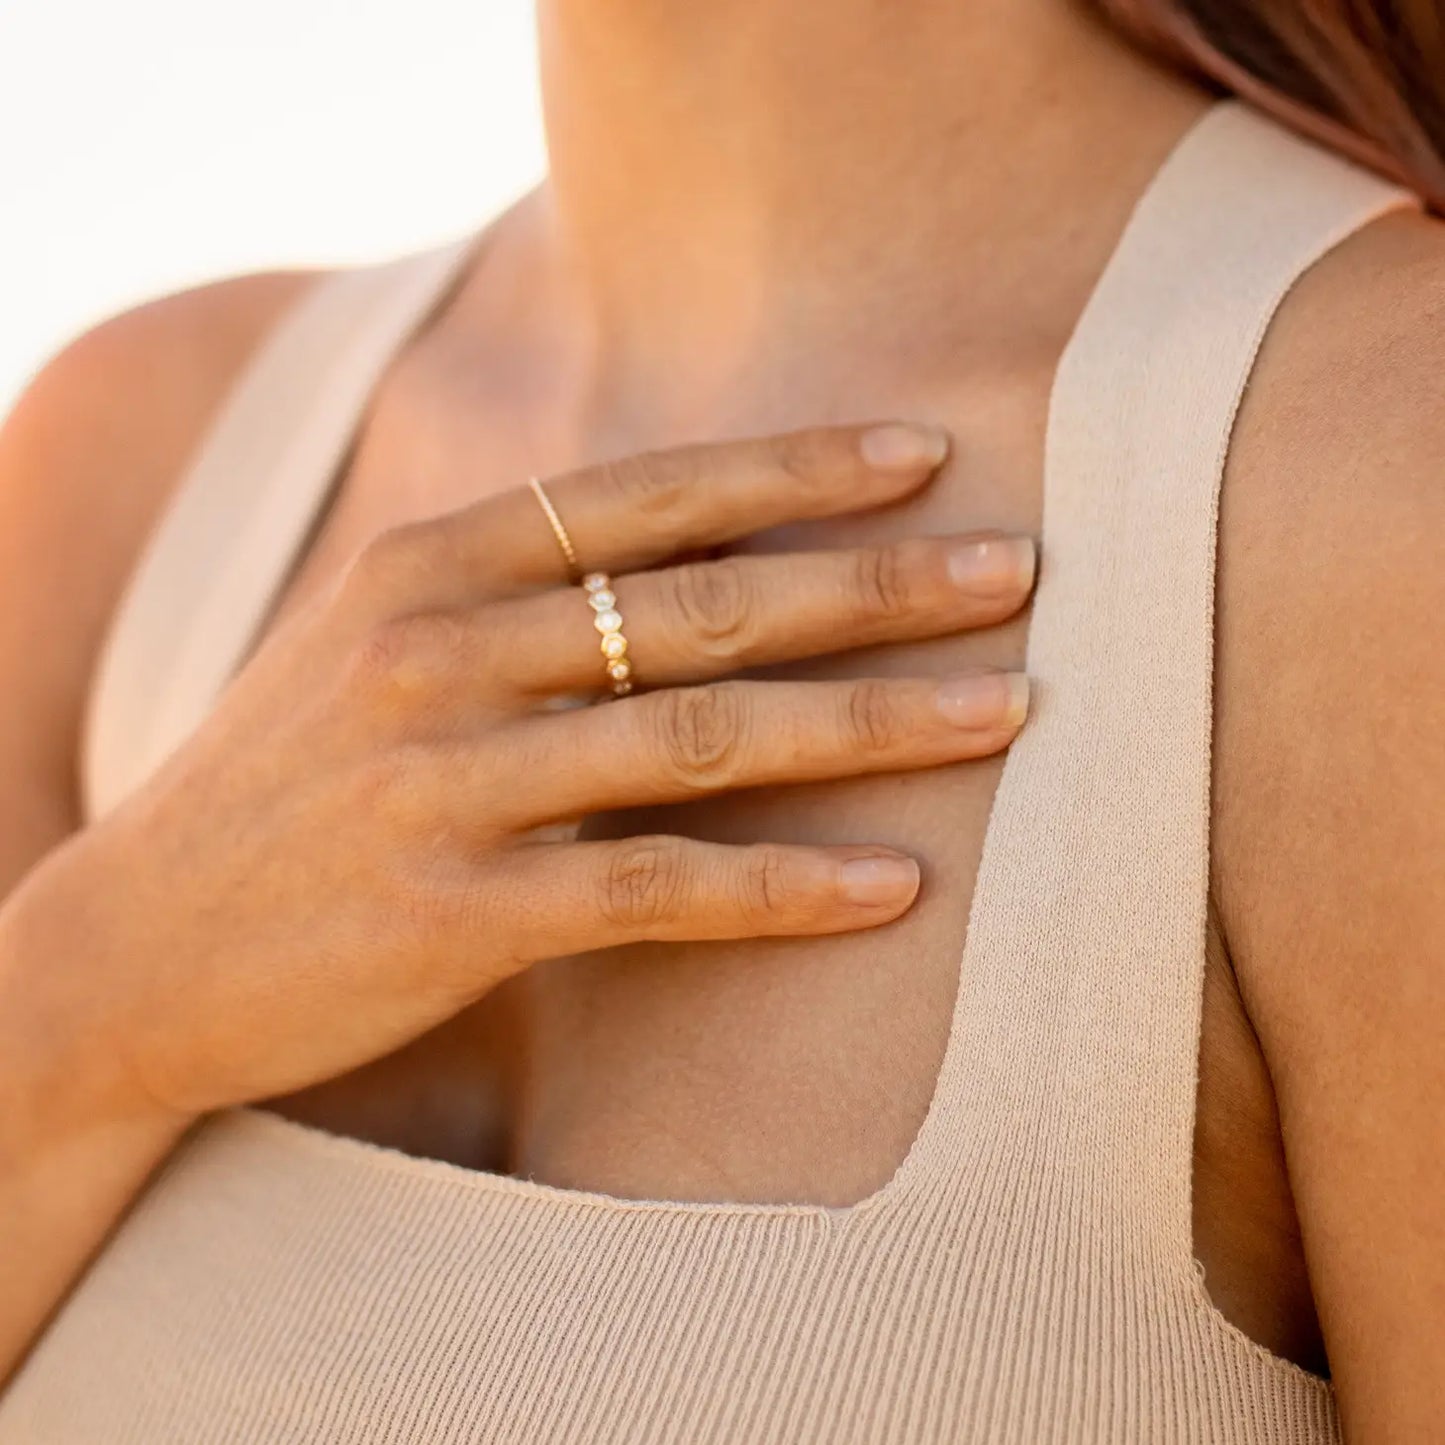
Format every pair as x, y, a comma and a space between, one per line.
345, 853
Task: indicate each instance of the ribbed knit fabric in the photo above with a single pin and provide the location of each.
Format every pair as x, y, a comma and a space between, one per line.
1027, 1275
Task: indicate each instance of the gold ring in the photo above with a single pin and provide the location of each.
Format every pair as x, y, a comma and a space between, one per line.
558, 530
608, 621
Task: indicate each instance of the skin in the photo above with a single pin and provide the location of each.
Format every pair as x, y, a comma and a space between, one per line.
373, 786
734, 286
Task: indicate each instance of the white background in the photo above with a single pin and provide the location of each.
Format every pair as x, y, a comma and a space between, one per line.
149, 144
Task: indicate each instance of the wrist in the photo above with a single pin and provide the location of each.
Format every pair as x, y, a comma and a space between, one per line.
65, 1074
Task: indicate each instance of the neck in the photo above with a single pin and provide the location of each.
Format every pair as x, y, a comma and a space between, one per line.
738, 184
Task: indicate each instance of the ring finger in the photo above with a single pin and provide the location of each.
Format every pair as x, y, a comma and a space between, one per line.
688, 742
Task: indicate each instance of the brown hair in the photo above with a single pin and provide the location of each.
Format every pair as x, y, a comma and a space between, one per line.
1366, 76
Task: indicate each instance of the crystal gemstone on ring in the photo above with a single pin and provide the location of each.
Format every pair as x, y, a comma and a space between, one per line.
608, 621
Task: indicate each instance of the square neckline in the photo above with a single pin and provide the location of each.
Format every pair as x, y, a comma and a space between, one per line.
903, 1181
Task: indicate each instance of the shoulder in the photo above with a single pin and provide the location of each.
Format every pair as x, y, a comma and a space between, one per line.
88, 456
1348, 377
1330, 591
148, 377
108, 422
1330, 781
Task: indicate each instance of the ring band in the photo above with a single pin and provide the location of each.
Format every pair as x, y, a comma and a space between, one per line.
600, 597
608, 621
574, 567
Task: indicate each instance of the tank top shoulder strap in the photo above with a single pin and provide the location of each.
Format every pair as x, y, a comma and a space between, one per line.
213, 564
1079, 1007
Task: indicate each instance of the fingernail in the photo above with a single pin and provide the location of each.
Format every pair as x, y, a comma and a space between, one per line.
899, 446
985, 700
877, 880
994, 565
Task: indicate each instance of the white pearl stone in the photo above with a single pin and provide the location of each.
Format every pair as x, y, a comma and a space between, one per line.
607, 621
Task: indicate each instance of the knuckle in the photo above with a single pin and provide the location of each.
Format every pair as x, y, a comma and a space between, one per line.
763, 890
389, 565
871, 716
700, 733
644, 884
881, 582
808, 458
715, 605
435, 906
402, 663
379, 656
653, 484
387, 659
460, 902
446, 905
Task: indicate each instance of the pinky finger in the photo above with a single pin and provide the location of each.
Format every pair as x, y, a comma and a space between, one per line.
567, 898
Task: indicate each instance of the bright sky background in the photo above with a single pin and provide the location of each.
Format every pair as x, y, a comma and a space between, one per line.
149, 144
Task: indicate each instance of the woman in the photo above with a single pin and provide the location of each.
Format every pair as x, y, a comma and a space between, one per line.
705, 1124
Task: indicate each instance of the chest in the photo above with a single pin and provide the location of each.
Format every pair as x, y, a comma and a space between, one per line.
765, 1070
660, 1070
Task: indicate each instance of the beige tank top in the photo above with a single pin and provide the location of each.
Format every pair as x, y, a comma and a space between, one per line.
1027, 1274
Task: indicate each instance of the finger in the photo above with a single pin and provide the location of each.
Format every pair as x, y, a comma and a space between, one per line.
562, 898
640, 510
693, 623
686, 742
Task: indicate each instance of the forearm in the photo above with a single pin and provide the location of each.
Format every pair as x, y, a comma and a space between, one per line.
74, 1151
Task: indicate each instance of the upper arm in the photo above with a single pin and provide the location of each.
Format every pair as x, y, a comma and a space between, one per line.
88, 458
1330, 796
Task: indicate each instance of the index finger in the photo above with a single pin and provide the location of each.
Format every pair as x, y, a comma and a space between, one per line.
631, 513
